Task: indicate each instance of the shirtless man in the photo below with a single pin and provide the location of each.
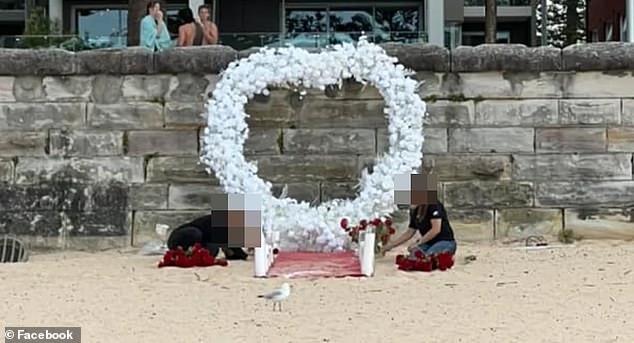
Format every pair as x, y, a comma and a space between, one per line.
210, 29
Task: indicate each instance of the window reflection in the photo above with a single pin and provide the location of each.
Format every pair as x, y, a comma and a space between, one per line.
315, 27
102, 28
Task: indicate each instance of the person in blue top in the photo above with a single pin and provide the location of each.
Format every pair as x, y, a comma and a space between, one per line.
154, 34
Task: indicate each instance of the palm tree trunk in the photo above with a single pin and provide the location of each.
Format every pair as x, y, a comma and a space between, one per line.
136, 11
490, 21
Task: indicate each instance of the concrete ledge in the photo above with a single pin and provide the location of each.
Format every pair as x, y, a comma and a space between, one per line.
422, 57
599, 56
505, 57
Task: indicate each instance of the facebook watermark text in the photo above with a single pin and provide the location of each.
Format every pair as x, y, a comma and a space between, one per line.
42, 334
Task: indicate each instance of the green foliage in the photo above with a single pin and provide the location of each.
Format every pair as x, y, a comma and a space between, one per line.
41, 32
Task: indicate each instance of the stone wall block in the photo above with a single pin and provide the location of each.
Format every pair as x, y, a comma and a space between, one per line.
29, 89
435, 140
107, 89
627, 114
472, 225
598, 56
621, 139
196, 196
34, 170
145, 87
67, 88
501, 85
449, 114
262, 141
284, 168
531, 113
85, 143
499, 140
209, 59
145, 196
6, 170
464, 167
488, 194
188, 88
187, 114
272, 111
571, 140
162, 142
600, 223
38, 62
589, 111
598, 84
328, 141
6, 88
572, 167
585, 194
137, 115
23, 143
351, 114
178, 169
525, 222
507, 57
41, 116
420, 56
130, 60
144, 225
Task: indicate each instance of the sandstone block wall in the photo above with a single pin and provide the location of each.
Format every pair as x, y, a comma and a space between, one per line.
97, 147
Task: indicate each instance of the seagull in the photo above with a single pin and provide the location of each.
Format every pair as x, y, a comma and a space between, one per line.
278, 295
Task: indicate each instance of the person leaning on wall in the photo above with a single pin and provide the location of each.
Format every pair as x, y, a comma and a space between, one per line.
210, 29
154, 34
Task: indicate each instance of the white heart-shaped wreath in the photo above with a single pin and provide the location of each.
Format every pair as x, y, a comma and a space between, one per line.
302, 227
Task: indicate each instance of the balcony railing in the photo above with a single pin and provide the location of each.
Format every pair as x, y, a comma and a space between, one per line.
499, 2
238, 41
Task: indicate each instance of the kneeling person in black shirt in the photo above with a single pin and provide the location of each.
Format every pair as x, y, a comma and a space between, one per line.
436, 232
200, 231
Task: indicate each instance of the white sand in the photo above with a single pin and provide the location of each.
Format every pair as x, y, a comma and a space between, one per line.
579, 294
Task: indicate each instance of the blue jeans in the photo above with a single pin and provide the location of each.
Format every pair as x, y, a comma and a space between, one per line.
436, 248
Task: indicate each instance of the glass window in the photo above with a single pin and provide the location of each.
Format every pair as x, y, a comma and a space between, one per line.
102, 28
314, 27
402, 24
12, 4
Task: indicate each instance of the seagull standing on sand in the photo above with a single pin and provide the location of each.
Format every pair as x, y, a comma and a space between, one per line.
278, 295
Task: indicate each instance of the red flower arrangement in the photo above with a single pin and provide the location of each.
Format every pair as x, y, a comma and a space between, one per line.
442, 261
195, 256
382, 228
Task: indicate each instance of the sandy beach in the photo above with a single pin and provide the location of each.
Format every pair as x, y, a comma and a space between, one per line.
581, 293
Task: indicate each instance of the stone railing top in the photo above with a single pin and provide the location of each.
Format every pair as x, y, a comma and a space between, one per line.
212, 59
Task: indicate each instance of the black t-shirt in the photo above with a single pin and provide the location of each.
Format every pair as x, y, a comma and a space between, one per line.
216, 234
423, 224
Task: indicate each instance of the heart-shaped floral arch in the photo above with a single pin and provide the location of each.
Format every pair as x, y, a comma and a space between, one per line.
302, 227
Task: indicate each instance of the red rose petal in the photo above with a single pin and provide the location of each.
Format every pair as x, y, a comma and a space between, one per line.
419, 254
344, 223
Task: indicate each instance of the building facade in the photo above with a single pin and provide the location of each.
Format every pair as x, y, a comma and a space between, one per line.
247, 23
606, 20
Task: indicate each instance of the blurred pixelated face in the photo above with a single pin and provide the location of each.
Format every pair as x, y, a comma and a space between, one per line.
415, 189
203, 14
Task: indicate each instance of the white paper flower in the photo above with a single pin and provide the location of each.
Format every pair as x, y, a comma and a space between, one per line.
301, 226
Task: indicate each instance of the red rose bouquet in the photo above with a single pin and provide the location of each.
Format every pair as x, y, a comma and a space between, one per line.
442, 261
195, 256
381, 227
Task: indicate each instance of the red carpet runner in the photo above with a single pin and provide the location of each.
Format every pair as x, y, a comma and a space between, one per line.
296, 265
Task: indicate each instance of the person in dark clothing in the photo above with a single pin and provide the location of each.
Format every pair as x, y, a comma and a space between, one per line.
190, 33
436, 233
200, 231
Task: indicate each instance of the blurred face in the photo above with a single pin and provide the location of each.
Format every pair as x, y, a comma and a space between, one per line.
154, 10
203, 14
